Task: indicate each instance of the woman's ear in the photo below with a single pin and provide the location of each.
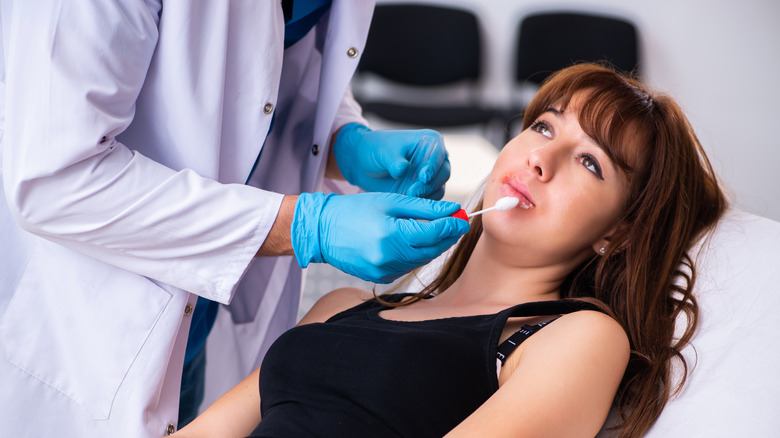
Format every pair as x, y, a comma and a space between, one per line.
602, 245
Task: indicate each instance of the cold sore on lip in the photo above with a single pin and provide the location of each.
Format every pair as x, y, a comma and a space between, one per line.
512, 186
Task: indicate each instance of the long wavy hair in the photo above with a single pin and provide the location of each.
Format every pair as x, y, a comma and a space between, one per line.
646, 278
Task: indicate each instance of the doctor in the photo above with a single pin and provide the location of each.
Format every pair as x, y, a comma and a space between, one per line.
153, 154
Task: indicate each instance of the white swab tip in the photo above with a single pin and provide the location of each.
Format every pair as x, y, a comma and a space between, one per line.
507, 203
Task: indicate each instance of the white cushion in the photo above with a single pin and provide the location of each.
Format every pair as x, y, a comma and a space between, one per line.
734, 386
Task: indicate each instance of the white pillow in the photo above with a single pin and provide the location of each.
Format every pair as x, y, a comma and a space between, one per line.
734, 386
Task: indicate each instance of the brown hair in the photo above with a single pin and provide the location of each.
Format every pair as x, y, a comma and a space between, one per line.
646, 278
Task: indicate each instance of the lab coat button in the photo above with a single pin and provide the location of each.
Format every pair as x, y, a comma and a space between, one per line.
187, 310
171, 429
268, 108
352, 52
315, 149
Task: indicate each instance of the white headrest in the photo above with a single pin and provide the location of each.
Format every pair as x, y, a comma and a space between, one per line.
734, 387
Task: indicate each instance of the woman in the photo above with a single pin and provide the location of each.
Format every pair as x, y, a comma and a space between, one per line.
614, 187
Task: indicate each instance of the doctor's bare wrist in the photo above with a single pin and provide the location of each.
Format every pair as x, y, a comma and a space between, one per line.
278, 241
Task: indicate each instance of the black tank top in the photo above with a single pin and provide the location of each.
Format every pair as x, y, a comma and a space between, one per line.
359, 375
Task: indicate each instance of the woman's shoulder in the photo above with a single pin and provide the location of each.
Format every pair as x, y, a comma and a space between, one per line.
334, 302
596, 330
576, 364
592, 318
585, 335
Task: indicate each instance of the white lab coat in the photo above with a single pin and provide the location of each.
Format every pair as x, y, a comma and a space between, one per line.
128, 131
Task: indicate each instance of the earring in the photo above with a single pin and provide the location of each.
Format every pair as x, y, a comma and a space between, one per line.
602, 250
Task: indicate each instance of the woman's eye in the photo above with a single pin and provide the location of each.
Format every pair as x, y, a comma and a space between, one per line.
591, 164
542, 128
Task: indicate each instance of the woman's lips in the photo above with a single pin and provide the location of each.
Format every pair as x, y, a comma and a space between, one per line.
512, 186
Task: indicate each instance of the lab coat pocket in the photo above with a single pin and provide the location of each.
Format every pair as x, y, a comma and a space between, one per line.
77, 324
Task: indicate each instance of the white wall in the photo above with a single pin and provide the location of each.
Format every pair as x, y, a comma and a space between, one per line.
719, 59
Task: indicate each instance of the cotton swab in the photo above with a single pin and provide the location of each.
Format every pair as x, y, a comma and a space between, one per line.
503, 204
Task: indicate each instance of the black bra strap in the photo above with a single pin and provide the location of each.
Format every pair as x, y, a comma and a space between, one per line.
517, 338
559, 307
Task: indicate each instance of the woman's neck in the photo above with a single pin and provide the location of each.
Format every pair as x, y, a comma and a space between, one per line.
491, 279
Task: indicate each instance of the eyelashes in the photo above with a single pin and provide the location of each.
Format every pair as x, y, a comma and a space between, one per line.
541, 127
591, 163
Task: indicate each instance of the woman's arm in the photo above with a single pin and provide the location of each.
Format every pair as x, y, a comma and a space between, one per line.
235, 414
562, 384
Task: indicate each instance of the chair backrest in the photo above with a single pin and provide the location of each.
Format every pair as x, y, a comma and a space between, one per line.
549, 41
422, 45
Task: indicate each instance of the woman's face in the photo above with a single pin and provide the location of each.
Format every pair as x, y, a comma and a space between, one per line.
571, 193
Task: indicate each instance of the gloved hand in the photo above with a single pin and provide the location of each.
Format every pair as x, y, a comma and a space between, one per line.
373, 236
381, 161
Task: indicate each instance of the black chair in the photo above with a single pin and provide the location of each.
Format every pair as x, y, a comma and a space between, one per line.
550, 41
422, 49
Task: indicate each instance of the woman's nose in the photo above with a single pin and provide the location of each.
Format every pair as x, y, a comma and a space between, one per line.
541, 161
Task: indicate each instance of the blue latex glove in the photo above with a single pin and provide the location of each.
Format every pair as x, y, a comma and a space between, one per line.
373, 236
378, 161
